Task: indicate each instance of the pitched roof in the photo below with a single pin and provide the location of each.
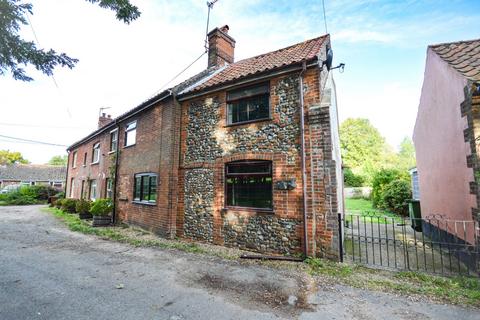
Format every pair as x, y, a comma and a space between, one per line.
33, 172
463, 56
307, 50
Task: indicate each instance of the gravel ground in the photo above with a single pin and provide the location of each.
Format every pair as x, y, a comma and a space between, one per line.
48, 272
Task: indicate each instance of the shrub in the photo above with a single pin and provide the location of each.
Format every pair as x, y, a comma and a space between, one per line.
69, 205
101, 207
395, 196
60, 195
42, 192
58, 203
83, 206
351, 179
18, 199
380, 179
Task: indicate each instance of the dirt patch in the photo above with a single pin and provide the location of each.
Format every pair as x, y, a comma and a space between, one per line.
262, 294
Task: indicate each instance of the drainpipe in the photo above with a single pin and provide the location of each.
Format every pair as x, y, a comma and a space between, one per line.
304, 173
117, 154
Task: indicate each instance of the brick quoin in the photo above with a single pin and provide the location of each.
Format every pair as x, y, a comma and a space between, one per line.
184, 138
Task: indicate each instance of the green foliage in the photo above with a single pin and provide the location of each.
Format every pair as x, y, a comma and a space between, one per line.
363, 147
16, 52
6, 156
60, 195
83, 206
17, 198
59, 203
395, 196
58, 160
28, 195
380, 179
351, 179
405, 158
69, 205
101, 207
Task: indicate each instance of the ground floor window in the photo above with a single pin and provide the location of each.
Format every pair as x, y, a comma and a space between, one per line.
249, 184
145, 187
82, 191
72, 187
109, 188
93, 190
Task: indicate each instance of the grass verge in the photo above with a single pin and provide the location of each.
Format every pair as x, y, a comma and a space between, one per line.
364, 210
74, 223
457, 290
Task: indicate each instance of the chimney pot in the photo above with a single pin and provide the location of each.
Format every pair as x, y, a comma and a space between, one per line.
221, 47
103, 120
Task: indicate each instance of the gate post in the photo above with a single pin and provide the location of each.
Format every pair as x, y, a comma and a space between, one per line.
340, 236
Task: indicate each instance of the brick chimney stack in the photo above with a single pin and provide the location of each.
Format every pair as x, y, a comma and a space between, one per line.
103, 120
221, 47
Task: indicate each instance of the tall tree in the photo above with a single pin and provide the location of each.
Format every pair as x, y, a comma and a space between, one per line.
58, 160
16, 53
8, 157
406, 155
363, 148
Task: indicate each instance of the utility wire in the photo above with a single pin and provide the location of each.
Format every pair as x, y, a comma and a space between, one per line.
38, 126
38, 44
324, 17
191, 64
21, 140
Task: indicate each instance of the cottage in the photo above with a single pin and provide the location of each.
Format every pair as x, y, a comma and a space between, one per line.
32, 174
446, 138
244, 154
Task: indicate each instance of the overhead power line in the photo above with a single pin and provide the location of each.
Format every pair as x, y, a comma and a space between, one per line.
22, 140
38, 126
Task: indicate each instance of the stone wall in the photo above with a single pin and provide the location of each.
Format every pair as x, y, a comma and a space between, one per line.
264, 233
199, 197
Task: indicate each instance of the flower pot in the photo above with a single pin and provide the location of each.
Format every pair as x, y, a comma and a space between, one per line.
101, 221
85, 216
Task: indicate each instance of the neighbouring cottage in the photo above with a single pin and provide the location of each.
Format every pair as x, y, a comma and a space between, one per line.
446, 136
33, 174
244, 154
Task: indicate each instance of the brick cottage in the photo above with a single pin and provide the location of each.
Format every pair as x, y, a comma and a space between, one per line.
222, 157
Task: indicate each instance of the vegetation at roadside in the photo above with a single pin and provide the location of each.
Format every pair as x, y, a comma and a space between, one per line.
74, 223
366, 212
58, 160
11, 157
26, 195
457, 290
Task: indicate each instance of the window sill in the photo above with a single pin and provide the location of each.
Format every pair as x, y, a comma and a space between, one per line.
145, 203
84, 165
132, 145
93, 163
248, 122
249, 210
110, 152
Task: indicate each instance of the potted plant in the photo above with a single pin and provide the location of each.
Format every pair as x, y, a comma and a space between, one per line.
101, 210
83, 209
69, 205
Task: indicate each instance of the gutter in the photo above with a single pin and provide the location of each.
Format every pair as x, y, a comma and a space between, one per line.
304, 172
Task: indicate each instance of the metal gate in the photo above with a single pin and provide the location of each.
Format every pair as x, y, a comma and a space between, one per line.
435, 245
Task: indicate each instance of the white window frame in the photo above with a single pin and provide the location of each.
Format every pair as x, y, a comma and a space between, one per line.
130, 134
96, 153
93, 190
114, 146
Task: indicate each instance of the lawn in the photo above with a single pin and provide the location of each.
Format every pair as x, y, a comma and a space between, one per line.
365, 210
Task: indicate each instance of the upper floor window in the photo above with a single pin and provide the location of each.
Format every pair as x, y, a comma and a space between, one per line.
96, 153
131, 134
113, 140
145, 187
249, 184
248, 104
74, 159
85, 159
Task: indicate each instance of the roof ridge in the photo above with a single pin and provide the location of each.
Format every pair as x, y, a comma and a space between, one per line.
454, 42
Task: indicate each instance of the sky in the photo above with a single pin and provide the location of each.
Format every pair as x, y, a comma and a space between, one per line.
382, 43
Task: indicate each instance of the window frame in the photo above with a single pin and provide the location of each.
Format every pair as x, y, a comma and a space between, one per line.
85, 156
231, 101
72, 187
112, 144
127, 131
92, 182
108, 188
96, 147
140, 199
74, 159
247, 162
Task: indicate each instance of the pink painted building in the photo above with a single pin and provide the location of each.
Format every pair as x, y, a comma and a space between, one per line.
447, 134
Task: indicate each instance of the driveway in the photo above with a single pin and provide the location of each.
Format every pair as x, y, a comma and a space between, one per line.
48, 272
